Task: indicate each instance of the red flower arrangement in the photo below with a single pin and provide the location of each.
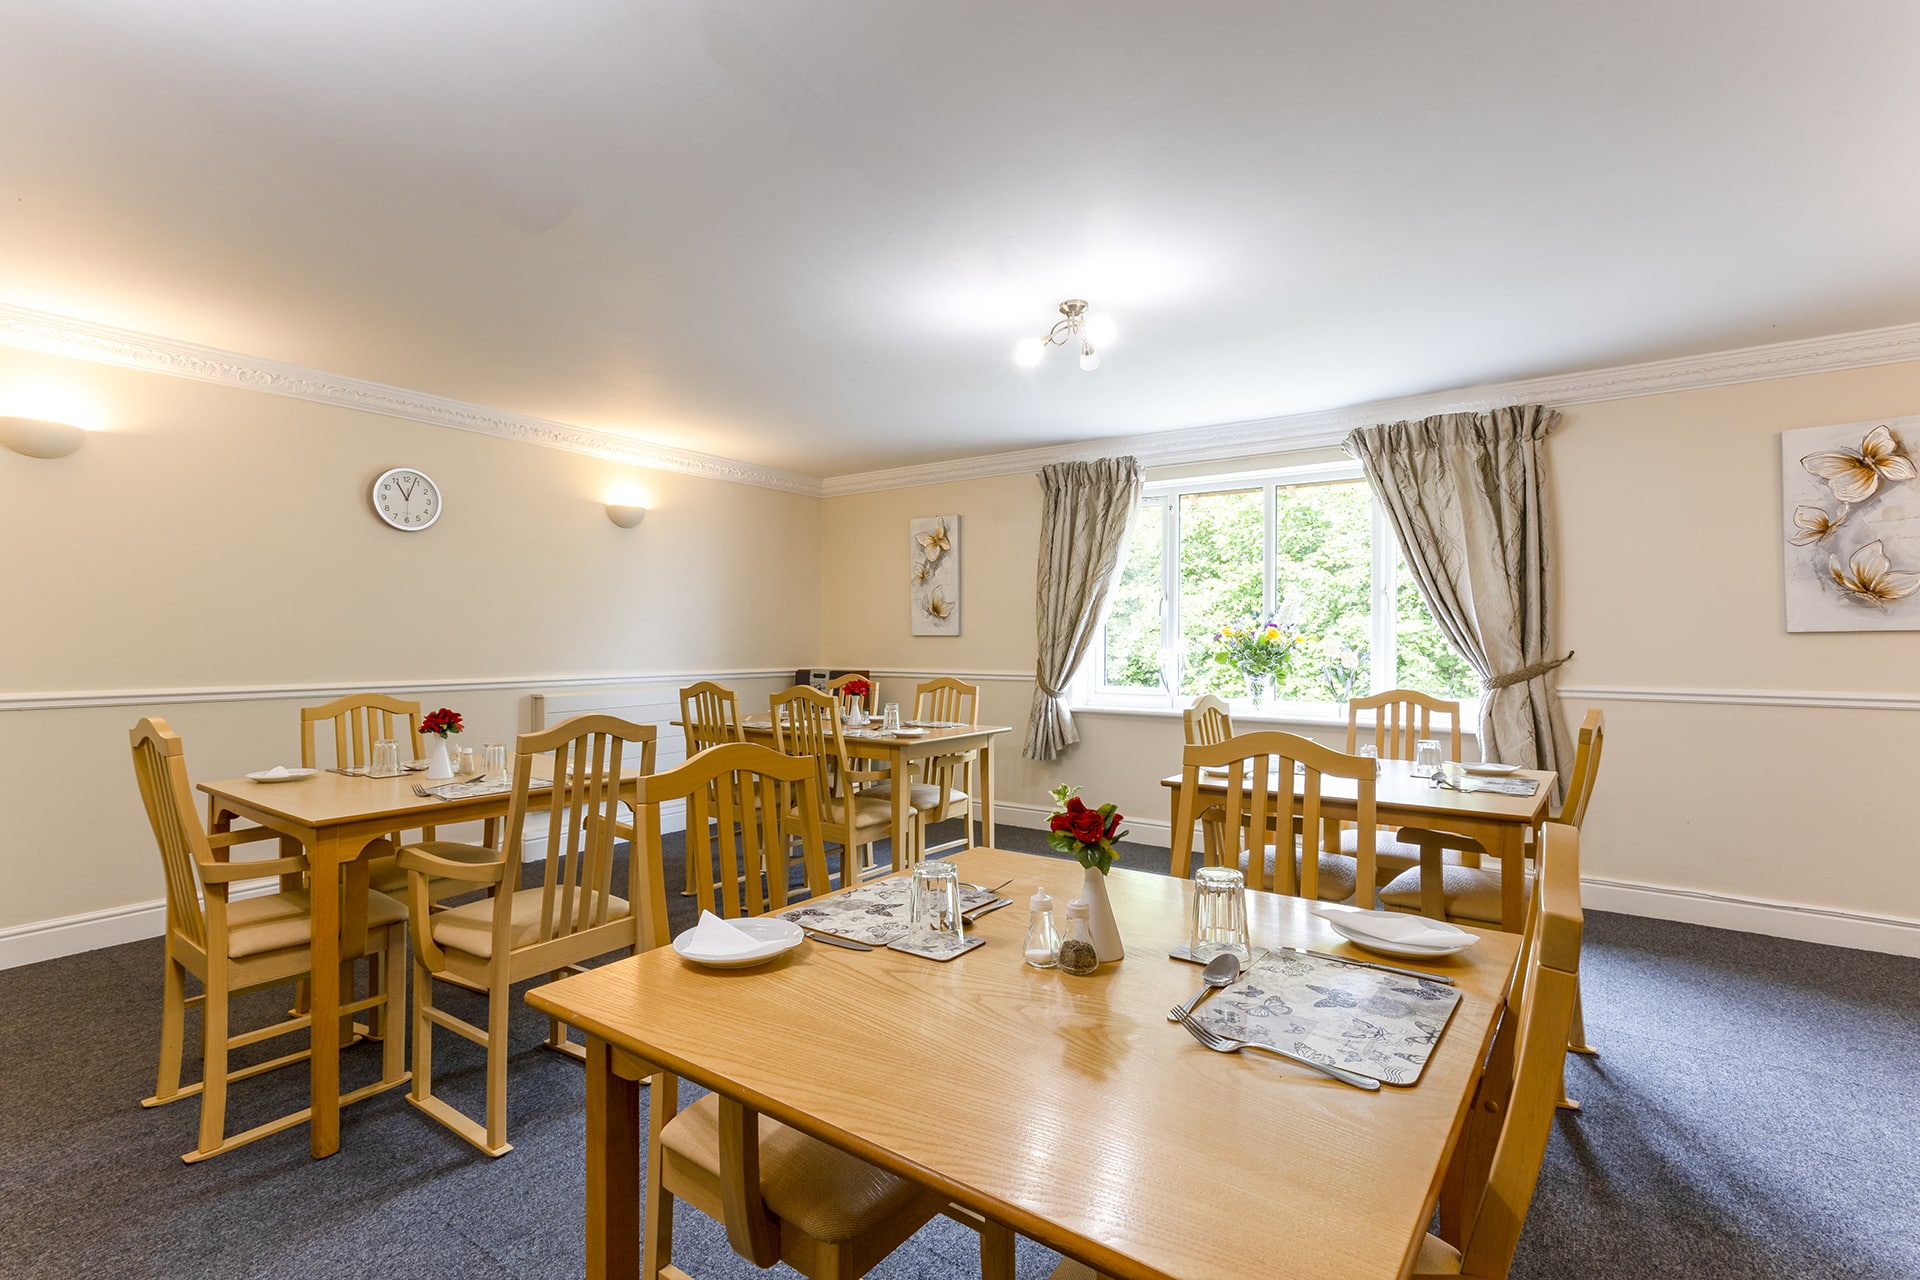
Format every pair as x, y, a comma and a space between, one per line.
857, 687
442, 722
1088, 834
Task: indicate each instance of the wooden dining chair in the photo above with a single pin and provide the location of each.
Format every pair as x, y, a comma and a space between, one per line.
1207, 722
1471, 894
710, 717
1401, 719
232, 946
806, 722
943, 785
869, 701
783, 1196
516, 933
1489, 1184
1258, 771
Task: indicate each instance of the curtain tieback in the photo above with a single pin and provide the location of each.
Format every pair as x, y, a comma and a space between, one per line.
1531, 671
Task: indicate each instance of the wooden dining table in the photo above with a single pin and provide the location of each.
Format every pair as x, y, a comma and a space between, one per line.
900, 753
1067, 1108
1501, 823
337, 818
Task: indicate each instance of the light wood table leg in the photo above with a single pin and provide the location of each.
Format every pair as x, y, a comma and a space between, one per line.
1509, 846
613, 1168
900, 775
986, 793
324, 858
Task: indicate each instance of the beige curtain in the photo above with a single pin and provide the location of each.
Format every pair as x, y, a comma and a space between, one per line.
1083, 530
1467, 496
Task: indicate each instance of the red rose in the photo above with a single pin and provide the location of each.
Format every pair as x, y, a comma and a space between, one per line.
1060, 822
1113, 824
1087, 827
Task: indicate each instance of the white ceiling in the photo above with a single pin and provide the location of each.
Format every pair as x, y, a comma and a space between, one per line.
809, 234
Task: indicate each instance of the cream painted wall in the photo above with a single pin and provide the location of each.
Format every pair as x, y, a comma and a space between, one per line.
215, 538
1669, 543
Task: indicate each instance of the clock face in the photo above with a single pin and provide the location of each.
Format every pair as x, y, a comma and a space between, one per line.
406, 499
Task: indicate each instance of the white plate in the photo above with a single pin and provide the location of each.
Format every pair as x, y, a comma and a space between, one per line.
291, 775
415, 766
1405, 951
775, 935
906, 733
1490, 769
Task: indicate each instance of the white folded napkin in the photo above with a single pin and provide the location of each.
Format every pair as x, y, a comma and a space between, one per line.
1392, 926
715, 937
278, 771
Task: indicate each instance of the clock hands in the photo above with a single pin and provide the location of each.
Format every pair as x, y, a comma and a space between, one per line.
406, 489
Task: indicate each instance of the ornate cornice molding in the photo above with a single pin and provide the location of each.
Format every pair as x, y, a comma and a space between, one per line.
1323, 428
103, 344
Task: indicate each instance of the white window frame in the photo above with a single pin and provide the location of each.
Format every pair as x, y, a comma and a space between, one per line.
1091, 693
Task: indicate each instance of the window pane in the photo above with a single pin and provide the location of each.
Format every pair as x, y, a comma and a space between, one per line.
1133, 626
1323, 583
1423, 657
1222, 547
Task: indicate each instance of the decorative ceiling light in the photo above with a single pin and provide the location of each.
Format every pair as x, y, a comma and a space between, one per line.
1077, 327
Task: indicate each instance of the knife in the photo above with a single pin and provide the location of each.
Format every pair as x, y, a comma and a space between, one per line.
1368, 964
832, 941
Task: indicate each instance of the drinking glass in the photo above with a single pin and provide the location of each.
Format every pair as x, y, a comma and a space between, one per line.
1426, 758
386, 760
934, 908
1370, 752
496, 761
890, 717
1219, 915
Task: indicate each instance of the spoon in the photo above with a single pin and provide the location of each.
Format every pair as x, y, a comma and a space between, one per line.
1221, 971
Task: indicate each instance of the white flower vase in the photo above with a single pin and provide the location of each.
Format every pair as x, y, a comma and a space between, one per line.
1106, 931
439, 763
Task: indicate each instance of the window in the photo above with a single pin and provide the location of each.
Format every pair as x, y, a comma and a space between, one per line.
1308, 548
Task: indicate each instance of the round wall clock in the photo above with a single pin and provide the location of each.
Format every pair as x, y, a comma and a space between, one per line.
406, 499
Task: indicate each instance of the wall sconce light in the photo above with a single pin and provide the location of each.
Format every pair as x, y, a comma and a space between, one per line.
626, 515
37, 439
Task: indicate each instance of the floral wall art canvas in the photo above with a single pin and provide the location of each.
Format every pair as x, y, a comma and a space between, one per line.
1852, 526
933, 551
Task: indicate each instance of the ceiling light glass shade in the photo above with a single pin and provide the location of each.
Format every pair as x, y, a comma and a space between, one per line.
1029, 352
1099, 330
1089, 358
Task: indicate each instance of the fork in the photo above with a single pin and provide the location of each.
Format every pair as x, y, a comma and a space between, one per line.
1224, 1044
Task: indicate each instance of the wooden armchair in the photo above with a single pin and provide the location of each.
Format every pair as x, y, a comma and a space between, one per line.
1259, 769
782, 1195
943, 785
806, 722
234, 946
1496, 1165
517, 933
1401, 718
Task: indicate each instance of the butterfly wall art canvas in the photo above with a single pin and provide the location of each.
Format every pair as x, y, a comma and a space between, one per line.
1851, 504
933, 582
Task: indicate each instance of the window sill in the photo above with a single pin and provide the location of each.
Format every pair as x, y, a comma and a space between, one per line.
1242, 717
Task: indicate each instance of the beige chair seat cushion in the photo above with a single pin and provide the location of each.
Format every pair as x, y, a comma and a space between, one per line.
277, 921
1338, 873
1470, 893
869, 810
921, 795
1437, 1258
825, 1192
469, 928
1390, 856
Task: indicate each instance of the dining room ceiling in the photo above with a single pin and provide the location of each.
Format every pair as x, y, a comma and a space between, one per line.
810, 235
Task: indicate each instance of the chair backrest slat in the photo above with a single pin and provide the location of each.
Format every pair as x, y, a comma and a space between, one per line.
948, 699
806, 722
1401, 717
711, 715
359, 720
760, 778
160, 767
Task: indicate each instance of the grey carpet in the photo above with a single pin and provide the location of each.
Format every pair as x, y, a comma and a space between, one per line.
1751, 1116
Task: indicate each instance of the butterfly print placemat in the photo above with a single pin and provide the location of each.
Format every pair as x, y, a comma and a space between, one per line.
1378, 1024
875, 913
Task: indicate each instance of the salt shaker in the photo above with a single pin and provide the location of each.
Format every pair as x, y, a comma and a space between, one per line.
1078, 955
1043, 944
